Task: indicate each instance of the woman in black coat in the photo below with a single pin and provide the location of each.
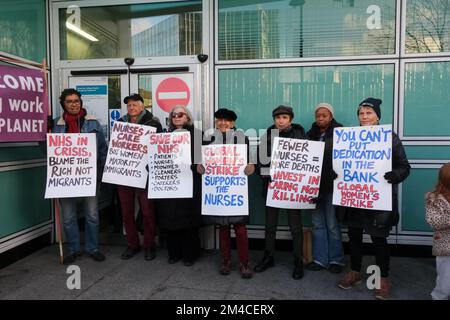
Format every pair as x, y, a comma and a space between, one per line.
375, 223
283, 126
226, 133
180, 218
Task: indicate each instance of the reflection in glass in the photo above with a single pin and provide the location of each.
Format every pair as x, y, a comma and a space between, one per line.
427, 26
142, 30
427, 101
300, 28
254, 93
22, 29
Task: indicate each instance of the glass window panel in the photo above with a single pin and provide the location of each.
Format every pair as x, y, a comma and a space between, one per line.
142, 30
427, 26
427, 101
22, 28
254, 93
428, 152
414, 188
251, 29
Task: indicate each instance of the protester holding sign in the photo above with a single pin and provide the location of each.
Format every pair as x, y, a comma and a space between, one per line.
376, 223
226, 133
138, 115
327, 242
180, 218
282, 127
76, 120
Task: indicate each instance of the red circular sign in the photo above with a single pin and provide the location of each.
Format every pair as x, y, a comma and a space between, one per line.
171, 92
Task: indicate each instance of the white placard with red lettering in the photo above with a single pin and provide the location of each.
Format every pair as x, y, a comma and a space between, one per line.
225, 185
295, 168
361, 157
127, 155
170, 90
71, 165
170, 174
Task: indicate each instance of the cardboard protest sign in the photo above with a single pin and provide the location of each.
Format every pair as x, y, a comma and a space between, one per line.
71, 165
295, 168
127, 155
23, 104
225, 186
361, 157
170, 174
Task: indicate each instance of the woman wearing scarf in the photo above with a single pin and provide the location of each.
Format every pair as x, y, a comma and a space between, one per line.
76, 120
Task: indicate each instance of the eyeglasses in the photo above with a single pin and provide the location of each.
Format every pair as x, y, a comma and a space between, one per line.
72, 101
178, 115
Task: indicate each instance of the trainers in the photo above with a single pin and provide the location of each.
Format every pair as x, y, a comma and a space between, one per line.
266, 262
70, 258
129, 253
384, 291
246, 272
335, 268
225, 268
351, 279
173, 260
188, 263
314, 266
150, 254
97, 256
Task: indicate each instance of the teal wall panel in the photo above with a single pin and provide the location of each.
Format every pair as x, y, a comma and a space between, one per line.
22, 153
415, 186
428, 152
22, 199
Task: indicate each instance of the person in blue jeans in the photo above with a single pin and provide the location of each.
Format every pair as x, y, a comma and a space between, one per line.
327, 249
76, 120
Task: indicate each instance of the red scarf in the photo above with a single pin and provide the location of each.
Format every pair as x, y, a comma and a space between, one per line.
73, 120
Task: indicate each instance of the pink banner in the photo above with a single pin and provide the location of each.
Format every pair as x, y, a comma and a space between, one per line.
23, 104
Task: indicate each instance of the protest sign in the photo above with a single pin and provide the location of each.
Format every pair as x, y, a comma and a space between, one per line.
225, 186
71, 165
295, 168
170, 174
127, 155
23, 105
361, 157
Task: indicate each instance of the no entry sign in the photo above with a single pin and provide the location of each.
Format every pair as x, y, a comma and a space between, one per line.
169, 90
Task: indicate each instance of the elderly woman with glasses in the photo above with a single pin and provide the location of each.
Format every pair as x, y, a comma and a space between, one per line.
180, 218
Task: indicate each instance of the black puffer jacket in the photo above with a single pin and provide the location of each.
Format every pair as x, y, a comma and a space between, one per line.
326, 180
147, 120
376, 222
183, 213
296, 131
232, 136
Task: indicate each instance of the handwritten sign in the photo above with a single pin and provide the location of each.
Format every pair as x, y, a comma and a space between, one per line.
71, 165
361, 157
23, 104
127, 155
295, 169
170, 174
225, 186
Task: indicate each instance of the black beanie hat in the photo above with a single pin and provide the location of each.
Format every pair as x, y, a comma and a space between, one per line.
373, 103
224, 113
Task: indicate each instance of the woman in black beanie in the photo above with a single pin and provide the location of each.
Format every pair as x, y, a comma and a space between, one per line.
375, 223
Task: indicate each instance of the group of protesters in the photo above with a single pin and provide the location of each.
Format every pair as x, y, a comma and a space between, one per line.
181, 218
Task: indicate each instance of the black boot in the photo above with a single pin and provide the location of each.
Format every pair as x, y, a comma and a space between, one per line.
266, 262
297, 274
